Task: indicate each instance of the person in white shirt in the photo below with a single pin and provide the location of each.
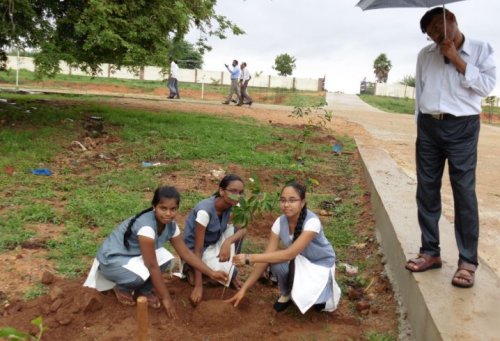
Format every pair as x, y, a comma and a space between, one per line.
173, 83
453, 74
244, 79
235, 76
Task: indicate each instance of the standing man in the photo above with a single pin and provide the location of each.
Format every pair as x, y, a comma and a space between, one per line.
244, 79
453, 74
173, 84
235, 75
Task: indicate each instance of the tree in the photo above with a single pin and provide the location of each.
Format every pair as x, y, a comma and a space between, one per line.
186, 55
381, 68
408, 80
23, 29
284, 64
126, 33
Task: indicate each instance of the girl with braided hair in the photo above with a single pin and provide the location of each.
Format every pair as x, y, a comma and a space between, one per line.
131, 260
306, 267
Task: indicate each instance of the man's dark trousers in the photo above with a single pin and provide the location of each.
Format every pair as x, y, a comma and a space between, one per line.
454, 139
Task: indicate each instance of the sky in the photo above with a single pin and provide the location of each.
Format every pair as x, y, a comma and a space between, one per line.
336, 39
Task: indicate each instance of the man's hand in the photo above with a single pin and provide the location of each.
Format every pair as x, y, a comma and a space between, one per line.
448, 49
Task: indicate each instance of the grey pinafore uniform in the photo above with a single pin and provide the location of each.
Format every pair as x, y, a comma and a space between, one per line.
319, 252
113, 254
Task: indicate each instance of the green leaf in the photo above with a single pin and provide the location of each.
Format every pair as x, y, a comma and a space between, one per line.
13, 334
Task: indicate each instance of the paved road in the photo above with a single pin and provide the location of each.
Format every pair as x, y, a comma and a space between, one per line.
396, 133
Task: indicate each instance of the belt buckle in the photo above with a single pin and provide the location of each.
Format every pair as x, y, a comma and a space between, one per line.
439, 116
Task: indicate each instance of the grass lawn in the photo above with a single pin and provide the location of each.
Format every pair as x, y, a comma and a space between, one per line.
407, 105
92, 191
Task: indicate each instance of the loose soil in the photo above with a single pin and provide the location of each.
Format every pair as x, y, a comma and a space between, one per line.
71, 312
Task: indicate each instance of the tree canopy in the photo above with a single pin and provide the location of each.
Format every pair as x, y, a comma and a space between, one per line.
408, 80
381, 67
284, 64
186, 55
126, 33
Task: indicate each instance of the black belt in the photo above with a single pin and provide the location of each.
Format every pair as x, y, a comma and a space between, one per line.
444, 116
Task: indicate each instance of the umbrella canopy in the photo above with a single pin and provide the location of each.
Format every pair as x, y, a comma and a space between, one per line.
374, 4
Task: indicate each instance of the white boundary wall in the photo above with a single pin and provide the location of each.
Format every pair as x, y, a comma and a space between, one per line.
185, 75
394, 90
404, 91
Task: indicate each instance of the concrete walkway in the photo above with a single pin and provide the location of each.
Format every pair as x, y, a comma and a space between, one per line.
436, 310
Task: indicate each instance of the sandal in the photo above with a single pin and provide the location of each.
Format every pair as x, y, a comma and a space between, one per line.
464, 276
153, 300
124, 297
423, 262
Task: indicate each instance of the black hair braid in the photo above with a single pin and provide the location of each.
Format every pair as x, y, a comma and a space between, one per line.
296, 234
300, 223
128, 232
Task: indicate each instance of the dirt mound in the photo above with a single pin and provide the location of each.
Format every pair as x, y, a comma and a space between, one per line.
70, 311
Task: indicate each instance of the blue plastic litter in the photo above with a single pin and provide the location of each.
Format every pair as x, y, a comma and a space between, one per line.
337, 148
41, 171
151, 164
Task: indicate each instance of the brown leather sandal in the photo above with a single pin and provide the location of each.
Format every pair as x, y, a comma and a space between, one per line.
423, 263
464, 276
124, 297
153, 301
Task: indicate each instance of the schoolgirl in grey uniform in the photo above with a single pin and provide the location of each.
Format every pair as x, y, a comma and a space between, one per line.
305, 269
143, 235
208, 233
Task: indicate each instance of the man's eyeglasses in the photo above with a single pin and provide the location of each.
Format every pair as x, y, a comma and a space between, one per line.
290, 201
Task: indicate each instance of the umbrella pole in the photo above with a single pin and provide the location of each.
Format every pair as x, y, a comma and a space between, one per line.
444, 20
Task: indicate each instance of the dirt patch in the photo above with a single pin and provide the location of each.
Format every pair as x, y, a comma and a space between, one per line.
368, 303
70, 309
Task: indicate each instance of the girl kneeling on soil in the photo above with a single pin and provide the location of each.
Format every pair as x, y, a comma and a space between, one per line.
209, 235
305, 269
132, 258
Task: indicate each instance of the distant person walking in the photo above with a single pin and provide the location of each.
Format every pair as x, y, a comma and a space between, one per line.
235, 76
453, 74
173, 83
244, 79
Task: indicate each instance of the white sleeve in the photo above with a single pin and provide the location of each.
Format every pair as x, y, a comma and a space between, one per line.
276, 227
313, 225
147, 231
202, 218
177, 231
